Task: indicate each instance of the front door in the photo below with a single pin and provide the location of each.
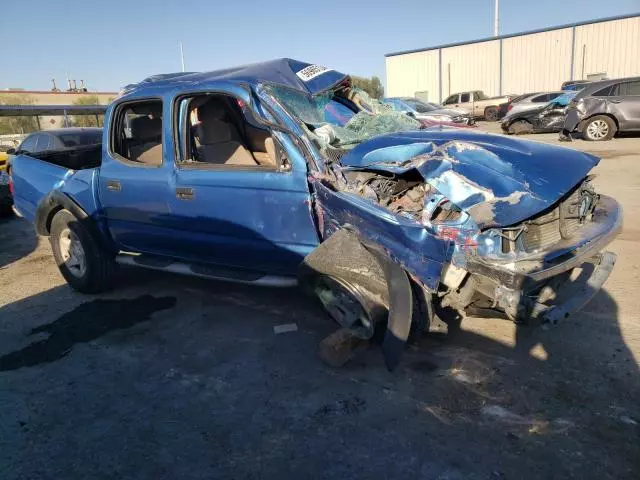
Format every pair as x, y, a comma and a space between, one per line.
133, 183
240, 194
551, 119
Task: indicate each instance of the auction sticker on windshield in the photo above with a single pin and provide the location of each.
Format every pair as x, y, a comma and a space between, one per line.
311, 72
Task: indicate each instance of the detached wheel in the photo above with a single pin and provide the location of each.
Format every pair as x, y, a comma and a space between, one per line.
491, 114
599, 128
83, 262
520, 127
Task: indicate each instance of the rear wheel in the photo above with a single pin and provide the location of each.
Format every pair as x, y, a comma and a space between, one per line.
83, 262
491, 114
599, 128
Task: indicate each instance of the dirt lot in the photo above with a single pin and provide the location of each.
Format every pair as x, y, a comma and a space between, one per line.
172, 377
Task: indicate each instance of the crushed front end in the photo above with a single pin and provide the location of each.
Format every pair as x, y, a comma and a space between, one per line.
502, 238
543, 268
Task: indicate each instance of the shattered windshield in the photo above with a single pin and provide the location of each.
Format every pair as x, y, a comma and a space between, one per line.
342, 122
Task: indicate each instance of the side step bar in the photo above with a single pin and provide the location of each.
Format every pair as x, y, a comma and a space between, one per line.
211, 272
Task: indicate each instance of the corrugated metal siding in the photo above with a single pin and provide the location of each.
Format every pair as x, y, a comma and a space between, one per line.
411, 73
537, 62
534, 61
611, 47
473, 67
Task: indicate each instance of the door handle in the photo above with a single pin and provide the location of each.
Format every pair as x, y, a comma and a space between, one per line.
185, 193
615, 101
113, 185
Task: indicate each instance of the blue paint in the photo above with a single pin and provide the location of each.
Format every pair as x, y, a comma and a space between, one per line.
263, 219
499, 165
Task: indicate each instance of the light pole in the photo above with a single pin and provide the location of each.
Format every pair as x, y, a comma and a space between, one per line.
496, 19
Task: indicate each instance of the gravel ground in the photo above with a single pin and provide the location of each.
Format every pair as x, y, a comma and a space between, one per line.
173, 377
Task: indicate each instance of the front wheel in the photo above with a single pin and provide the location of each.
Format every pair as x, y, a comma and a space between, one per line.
491, 114
83, 262
520, 127
599, 128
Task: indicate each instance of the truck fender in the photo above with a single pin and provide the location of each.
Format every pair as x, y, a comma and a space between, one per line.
383, 284
55, 201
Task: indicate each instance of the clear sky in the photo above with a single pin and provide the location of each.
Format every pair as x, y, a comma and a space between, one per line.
110, 43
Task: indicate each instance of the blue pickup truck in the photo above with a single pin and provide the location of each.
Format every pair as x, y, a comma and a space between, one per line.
281, 173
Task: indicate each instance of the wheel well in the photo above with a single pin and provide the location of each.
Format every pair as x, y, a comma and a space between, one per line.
52, 214
584, 122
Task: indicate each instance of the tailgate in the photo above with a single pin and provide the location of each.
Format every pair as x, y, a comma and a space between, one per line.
32, 180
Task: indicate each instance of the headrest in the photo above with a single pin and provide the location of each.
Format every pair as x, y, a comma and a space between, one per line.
213, 131
146, 128
214, 109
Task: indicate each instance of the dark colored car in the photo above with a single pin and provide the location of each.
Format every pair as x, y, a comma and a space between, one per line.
548, 118
59, 139
602, 109
503, 108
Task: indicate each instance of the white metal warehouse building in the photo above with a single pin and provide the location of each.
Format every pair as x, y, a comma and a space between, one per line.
533, 61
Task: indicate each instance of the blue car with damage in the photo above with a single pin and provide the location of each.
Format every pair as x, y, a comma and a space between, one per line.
282, 173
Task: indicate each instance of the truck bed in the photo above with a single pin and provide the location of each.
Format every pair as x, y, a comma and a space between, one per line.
36, 175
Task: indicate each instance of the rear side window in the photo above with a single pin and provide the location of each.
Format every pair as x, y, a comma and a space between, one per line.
29, 144
541, 98
605, 92
629, 88
136, 132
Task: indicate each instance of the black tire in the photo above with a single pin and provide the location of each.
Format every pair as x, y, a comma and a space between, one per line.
599, 129
99, 264
491, 114
520, 127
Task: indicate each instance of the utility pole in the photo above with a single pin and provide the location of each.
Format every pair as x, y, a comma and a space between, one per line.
496, 19
181, 56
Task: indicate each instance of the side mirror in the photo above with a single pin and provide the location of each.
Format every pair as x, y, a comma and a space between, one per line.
11, 151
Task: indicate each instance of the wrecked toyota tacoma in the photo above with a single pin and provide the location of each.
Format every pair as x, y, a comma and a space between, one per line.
282, 173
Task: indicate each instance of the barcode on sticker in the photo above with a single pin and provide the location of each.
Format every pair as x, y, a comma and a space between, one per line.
312, 71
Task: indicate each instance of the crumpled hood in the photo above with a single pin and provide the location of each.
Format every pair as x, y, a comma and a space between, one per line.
498, 180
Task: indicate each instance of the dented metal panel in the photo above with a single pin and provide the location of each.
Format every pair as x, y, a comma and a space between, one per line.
497, 180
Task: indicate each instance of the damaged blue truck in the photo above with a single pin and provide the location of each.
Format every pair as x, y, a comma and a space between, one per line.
282, 174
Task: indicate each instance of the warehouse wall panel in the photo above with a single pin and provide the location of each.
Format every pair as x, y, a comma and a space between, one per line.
609, 47
411, 73
537, 62
475, 66
533, 61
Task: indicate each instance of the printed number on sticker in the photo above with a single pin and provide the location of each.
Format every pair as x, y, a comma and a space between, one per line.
312, 71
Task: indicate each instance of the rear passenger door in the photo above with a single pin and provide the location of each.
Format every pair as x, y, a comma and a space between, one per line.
626, 105
231, 203
133, 183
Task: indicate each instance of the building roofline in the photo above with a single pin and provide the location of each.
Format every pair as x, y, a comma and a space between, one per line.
500, 37
57, 93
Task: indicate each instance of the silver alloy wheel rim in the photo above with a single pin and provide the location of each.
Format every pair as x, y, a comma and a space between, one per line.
72, 253
598, 129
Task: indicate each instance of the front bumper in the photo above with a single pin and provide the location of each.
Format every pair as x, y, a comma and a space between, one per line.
513, 282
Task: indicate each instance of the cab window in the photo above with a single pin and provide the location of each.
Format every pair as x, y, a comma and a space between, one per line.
450, 100
137, 132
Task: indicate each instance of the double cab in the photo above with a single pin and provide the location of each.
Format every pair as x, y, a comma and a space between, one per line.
281, 173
